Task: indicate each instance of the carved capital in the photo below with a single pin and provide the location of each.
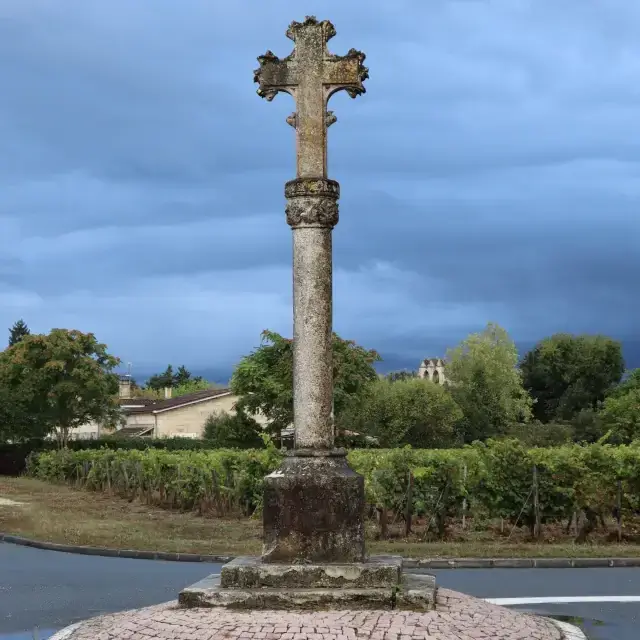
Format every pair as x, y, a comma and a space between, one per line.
312, 202
312, 211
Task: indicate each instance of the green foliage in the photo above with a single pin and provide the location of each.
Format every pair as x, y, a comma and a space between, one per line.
408, 411
395, 376
219, 482
233, 431
588, 426
264, 379
163, 380
18, 331
566, 374
538, 434
486, 384
630, 382
191, 386
620, 415
494, 478
61, 380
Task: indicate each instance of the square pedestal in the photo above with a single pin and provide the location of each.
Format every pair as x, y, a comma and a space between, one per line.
314, 510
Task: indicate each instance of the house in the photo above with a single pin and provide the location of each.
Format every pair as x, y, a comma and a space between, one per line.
183, 416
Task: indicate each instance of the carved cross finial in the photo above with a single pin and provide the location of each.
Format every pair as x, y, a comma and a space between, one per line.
311, 75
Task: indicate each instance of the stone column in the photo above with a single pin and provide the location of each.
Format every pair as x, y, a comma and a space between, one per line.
312, 212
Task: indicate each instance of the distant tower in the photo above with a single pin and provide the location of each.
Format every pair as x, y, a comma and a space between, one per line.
432, 369
125, 384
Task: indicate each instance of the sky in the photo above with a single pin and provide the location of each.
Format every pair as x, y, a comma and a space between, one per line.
490, 173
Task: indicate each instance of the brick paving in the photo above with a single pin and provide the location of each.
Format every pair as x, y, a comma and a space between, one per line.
457, 617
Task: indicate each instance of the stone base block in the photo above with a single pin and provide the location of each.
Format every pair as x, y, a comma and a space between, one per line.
314, 510
249, 583
253, 573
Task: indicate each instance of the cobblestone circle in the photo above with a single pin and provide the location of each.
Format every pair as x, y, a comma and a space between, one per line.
457, 617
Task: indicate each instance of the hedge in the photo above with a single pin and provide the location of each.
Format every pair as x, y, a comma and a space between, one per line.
13, 455
492, 480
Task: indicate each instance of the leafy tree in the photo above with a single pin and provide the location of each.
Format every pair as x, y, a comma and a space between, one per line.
64, 380
395, 376
182, 376
18, 331
588, 426
181, 379
411, 411
538, 434
620, 414
191, 385
486, 384
566, 374
163, 380
264, 378
233, 431
629, 382
17, 424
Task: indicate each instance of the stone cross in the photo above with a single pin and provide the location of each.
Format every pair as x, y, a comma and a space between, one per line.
312, 75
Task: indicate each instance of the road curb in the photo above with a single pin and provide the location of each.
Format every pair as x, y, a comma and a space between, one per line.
113, 553
519, 563
65, 633
569, 631
409, 563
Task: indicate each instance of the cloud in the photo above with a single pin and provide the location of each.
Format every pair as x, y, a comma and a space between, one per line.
489, 173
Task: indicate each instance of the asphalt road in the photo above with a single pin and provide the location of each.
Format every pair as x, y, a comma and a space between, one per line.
49, 590
600, 620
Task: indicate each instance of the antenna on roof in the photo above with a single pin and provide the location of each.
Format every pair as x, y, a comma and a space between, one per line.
129, 365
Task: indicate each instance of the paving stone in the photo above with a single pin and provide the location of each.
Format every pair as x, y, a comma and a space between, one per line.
456, 616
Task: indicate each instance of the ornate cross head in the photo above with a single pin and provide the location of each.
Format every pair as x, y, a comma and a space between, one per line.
311, 75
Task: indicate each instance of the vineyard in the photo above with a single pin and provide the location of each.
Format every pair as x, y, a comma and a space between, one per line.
578, 486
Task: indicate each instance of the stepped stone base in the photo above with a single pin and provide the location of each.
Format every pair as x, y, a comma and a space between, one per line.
251, 583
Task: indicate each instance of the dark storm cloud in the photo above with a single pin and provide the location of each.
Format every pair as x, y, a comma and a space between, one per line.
489, 173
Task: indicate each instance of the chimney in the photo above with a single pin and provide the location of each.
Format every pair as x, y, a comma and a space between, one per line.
167, 393
124, 390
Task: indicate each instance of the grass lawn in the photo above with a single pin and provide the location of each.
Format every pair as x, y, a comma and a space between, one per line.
57, 513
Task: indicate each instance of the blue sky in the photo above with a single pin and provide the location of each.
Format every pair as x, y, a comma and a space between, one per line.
490, 173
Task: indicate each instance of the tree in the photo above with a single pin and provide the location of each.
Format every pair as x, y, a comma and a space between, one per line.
181, 379
191, 385
620, 415
395, 376
630, 381
163, 380
486, 384
264, 378
233, 431
64, 379
17, 424
566, 374
412, 411
588, 426
18, 331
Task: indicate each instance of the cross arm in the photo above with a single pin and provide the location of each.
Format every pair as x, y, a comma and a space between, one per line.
346, 72
275, 75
